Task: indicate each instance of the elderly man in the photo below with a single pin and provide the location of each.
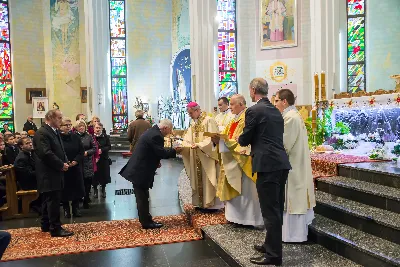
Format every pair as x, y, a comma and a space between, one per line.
225, 115
137, 128
200, 158
29, 124
264, 132
237, 184
142, 166
300, 197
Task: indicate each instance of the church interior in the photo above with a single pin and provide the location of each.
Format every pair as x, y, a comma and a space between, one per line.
110, 63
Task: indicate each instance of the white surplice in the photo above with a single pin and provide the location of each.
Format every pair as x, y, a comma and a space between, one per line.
299, 195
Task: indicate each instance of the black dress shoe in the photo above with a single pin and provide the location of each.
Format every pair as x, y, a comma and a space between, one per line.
153, 225
45, 229
259, 248
265, 261
61, 233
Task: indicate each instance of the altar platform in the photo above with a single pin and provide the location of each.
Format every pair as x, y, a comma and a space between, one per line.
357, 218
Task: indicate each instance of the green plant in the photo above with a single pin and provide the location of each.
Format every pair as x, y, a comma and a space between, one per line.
342, 128
396, 149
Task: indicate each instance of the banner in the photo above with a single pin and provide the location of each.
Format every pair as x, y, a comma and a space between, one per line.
40, 106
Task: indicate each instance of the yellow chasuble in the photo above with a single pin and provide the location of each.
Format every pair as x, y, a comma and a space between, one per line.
201, 164
233, 163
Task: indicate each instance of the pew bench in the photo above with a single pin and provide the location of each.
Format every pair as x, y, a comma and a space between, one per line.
26, 198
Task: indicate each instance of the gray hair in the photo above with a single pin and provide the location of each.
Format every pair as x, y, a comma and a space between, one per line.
165, 123
51, 114
239, 98
260, 86
139, 113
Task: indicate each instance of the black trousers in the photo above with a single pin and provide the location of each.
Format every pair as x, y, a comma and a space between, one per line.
51, 210
143, 205
271, 194
88, 185
5, 239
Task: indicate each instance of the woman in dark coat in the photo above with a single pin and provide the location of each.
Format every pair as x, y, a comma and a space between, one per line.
102, 175
73, 178
90, 148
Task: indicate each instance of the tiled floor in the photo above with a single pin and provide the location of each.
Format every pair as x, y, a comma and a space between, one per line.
164, 201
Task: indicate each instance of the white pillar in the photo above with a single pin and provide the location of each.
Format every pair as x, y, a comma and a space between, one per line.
324, 45
203, 52
98, 57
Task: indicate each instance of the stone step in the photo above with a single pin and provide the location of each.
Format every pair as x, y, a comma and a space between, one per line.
383, 173
235, 246
378, 222
358, 246
379, 196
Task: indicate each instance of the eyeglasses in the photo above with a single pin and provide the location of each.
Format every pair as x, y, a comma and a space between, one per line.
68, 125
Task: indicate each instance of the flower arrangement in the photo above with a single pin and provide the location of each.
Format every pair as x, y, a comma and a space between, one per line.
379, 152
345, 141
341, 128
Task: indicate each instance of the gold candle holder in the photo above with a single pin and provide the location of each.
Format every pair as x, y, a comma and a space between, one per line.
316, 86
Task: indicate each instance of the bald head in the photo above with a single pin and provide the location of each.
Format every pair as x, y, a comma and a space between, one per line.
237, 104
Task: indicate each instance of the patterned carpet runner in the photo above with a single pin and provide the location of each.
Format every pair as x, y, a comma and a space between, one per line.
96, 236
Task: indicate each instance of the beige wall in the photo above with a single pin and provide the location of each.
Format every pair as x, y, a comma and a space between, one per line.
27, 54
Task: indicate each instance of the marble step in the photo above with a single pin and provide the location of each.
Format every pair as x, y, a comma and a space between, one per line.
383, 173
378, 222
358, 246
235, 246
379, 196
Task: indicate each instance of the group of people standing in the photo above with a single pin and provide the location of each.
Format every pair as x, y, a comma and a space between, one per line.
257, 161
254, 161
68, 163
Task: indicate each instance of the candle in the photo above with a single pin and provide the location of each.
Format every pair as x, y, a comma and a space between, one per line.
323, 89
316, 86
314, 119
314, 114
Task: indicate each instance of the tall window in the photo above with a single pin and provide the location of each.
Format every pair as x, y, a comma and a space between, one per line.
118, 66
6, 89
227, 54
355, 45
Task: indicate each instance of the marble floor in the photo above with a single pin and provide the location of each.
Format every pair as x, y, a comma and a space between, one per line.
164, 201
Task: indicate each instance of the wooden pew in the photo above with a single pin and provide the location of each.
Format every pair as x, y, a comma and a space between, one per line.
10, 209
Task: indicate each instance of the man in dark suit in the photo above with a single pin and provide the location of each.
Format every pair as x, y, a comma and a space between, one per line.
25, 165
51, 163
29, 124
142, 166
263, 130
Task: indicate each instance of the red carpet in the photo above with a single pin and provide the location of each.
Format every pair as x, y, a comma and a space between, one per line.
95, 236
198, 219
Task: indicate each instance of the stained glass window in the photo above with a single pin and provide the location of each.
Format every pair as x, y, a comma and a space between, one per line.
6, 88
227, 57
356, 45
119, 89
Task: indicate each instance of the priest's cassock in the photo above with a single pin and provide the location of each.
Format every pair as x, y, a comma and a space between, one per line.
201, 159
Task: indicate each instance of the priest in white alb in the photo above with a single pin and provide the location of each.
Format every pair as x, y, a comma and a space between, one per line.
300, 196
236, 183
225, 115
200, 158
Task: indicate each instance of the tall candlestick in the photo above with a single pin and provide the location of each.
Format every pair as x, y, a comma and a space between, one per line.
314, 119
316, 86
323, 88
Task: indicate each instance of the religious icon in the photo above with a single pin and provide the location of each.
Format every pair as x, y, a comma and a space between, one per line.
40, 106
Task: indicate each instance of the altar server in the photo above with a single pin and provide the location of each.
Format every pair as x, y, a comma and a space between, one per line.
237, 184
200, 158
225, 115
300, 197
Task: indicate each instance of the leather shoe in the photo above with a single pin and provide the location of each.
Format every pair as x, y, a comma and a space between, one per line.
265, 261
61, 233
45, 229
259, 248
153, 225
